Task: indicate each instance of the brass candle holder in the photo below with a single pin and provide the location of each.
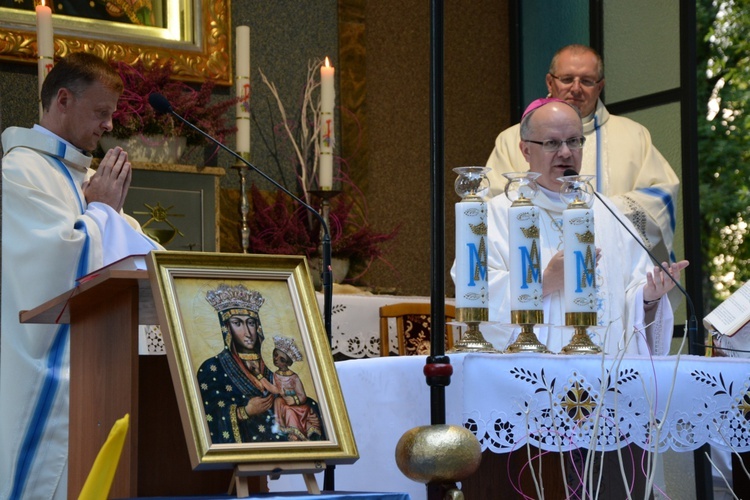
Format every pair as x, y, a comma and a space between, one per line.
527, 340
580, 289
523, 223
244, 204
472, 339
581, 342
473, 187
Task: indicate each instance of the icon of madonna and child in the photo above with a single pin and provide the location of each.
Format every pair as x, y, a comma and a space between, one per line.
244, 401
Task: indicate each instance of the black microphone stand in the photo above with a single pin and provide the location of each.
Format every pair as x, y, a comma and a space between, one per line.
692, 326
159, 102
161, 105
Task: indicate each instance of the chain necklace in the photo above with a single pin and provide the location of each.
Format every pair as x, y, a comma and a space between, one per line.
557, 225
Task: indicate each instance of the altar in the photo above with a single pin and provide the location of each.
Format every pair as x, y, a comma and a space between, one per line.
555, 403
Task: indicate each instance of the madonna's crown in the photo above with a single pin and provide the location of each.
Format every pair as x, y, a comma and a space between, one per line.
234, 297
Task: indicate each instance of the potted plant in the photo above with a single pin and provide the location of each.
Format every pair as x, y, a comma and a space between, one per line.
278, 225
136, 121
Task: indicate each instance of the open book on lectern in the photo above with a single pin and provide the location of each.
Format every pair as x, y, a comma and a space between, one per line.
135, 262
730, 315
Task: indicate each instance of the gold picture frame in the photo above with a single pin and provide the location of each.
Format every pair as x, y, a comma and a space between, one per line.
207, 304
197, 38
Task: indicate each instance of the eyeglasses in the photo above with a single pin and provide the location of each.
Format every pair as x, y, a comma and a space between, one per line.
553, 145
568, 80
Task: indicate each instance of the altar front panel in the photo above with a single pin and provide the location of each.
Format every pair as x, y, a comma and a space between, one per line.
554, 402
560, 403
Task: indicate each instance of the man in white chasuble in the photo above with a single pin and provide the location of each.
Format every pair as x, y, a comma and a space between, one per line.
633, 312
61, 221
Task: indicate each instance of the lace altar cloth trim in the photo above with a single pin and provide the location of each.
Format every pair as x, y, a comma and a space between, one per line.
559, 403
355, 324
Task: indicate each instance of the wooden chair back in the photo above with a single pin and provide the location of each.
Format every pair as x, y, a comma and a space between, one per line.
412, 327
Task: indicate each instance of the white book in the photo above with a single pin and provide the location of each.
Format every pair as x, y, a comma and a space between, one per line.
129, 263
730, 315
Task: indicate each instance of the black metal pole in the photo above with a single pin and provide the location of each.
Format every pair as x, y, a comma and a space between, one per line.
437, 381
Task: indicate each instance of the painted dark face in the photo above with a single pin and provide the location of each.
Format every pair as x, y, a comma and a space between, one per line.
281, 360
244, 330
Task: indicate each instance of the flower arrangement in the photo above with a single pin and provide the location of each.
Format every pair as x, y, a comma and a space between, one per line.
280, 225
134, 114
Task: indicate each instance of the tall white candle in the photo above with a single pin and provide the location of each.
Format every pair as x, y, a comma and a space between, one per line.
525, 258
45, 45
242, 88
471, 254
327, 101
579, 260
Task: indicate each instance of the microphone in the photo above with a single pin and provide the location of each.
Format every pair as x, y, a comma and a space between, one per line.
692, 321
161, 106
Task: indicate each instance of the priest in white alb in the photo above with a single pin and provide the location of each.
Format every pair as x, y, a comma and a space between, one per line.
61, 221
633, 311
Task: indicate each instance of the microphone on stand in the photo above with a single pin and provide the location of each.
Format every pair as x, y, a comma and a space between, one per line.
161, 106
692, 321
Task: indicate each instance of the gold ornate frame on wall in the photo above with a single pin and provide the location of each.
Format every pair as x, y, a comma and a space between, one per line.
200, 53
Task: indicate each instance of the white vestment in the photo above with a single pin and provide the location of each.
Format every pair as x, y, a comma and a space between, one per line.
628, 169
50, 237
620, 277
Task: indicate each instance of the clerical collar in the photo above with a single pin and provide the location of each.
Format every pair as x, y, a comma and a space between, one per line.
40, 128
552, 195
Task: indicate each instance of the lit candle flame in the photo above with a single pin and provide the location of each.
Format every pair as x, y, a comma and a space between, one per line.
328, 64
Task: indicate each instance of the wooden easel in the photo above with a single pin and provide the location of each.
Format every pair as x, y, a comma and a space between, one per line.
274, 471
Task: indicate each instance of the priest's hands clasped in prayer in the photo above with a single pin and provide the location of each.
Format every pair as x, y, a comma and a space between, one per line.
633, 311
110, 183
61, 220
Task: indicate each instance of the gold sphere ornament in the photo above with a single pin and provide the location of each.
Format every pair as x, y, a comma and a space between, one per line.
438, 453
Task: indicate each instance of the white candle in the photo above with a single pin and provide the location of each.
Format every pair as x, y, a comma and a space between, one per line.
327, 100
242, 89
525, 258
579, 260
45, 45
471, 254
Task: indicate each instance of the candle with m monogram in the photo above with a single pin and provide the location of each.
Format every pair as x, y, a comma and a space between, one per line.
525, 256
471, 254
580, 261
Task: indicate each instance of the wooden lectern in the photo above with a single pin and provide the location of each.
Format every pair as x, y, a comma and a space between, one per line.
108, 379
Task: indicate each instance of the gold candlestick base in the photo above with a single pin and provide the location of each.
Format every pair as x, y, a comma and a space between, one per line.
472, 341
581, 343
527, 341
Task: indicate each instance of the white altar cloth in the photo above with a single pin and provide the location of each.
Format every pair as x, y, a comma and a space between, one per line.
492, 394
355, 323
385, 397
558, 403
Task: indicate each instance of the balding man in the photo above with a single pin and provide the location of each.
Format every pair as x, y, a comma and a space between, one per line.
633, 309
618, 151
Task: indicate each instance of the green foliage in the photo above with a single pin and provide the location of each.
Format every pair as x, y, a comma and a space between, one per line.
723, 29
